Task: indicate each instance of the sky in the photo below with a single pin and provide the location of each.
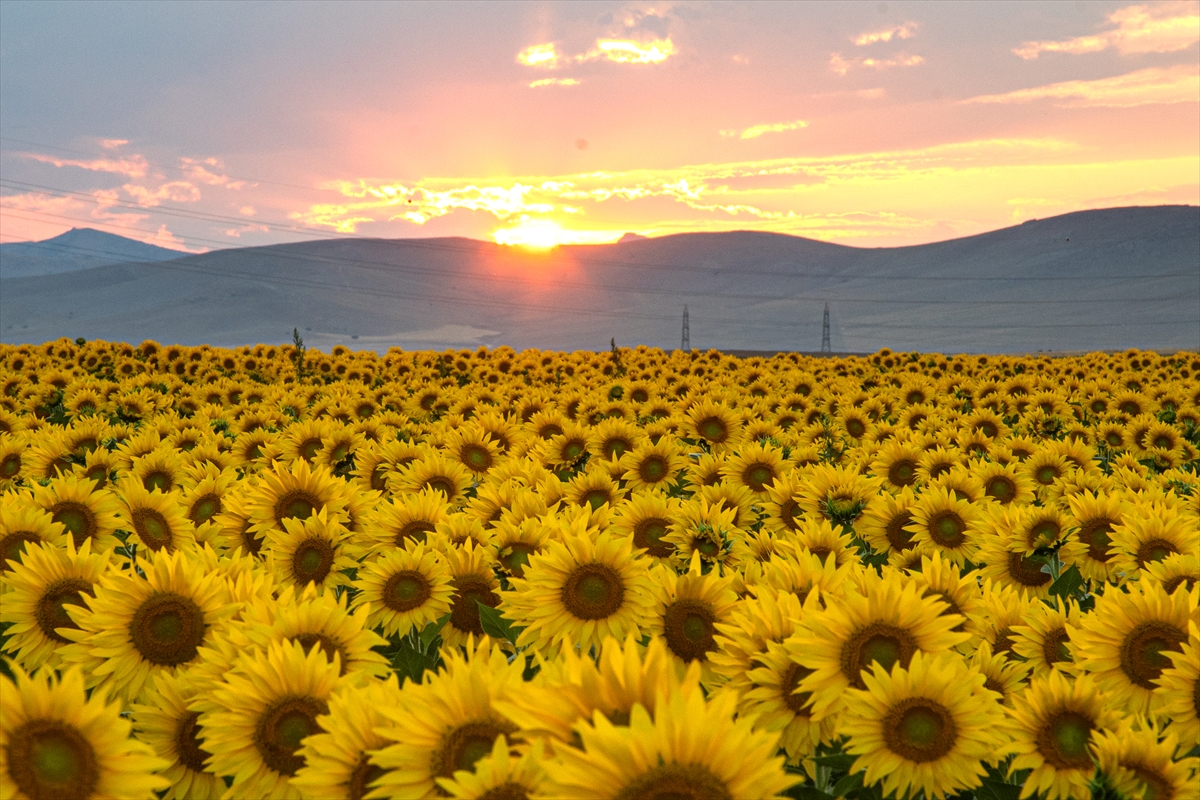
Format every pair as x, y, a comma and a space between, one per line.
201, 126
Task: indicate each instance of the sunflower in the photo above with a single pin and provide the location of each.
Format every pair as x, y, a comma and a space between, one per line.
293, 491
1138, 764
646, 518
931, 726
23, 524
172, 729
885, 622
1124, 641
713, 423
730, 496
755, 467
959, 590
803, 573
838, 494
593, 488
408, 517
945, 523
1005, 559
202, 501
690, 748
704, 528
566, 449
499, 774
1043, 639
652, 465
821, 539
769, 615
1090, 548
56, 742
254, 720
474, 449
1004, 676
687, 609
86, 511
447, 723
896, 463
403, 589
303, 441
436, 472
612, 438
704, 469
156, 518
1149, 532
1179, 571
936, 462
474, 582
135, 627
12, 459
1003, 483
160, 469
582, 588
782, 512
46, 580
885, 520
314, 550
338, 761
1179, 686
1053, 723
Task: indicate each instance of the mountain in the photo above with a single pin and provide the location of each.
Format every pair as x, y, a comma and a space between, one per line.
78, 248
1091, 280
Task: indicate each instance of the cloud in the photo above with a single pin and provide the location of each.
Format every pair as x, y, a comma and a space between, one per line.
237, 232
113, 144
1179, 84
545, 56
247, 211
756, 131
905, 31
175, 191
842, 65
134, 166
199, 170
745, 190
618, 51
554, 82
1159, 28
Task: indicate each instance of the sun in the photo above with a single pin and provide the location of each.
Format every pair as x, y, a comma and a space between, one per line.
544, 234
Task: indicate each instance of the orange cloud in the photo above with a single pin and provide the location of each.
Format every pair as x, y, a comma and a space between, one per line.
131, 166
618, 51
198, 170
905, 31
113, 144
754, 131
1179, 84
842, 65
540, 55
1160, 28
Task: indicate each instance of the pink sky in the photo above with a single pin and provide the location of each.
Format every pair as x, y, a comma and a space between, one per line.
200, 126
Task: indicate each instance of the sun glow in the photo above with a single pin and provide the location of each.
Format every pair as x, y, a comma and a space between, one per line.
544, 234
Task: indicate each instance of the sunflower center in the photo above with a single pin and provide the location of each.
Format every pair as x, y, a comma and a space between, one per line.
1046, 475
596, 498
516, 557
467, 744
188, 744
13, 545
469, 591
312, 560
152, 528
1154, 550
283, 726
441, 484
757, 476
1155, 786
1063, 741
51, 612
205, 509
362, 777
1143, 652
897, 536
296, 504
796, 701
947, 529
713, 428
652, 469
406, 590
167, 628
649, 532
878, 643
157, 480
919, 730
309, 448
414, 530
616, 447
1001, 489
674, 781
1044, 533
477, 458
688, 628
328, 646
10, 465
902, 473
1054, 646
76, 518
856, 428
48, 760
593, 591
1027, 570
1095, 534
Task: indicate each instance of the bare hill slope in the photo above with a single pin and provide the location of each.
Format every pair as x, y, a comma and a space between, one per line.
1105, 279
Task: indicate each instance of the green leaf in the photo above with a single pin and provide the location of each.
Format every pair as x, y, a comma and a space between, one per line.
848, 784
497, 626
997, 790
838, 762
433, 630
807, 793
1067, 583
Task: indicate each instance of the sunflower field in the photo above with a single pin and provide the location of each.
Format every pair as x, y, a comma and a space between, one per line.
270, 572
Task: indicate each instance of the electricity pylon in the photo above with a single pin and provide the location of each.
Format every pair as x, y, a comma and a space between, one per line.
686, 343
826, 347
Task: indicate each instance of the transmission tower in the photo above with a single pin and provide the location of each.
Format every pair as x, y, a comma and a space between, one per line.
686, 344
826, 347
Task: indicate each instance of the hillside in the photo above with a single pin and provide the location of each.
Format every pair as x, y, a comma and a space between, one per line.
78, 248
1105, 279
